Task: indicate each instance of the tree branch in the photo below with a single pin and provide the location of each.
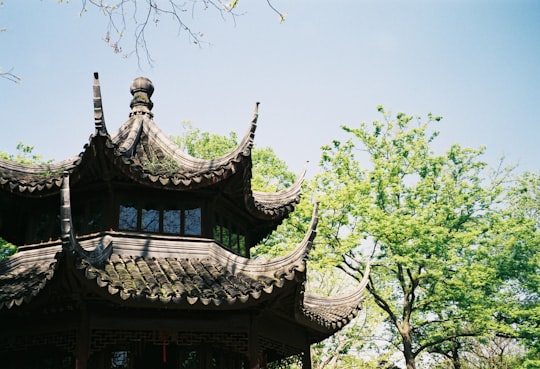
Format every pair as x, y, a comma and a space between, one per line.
281, 15
420, 325
10, 77
444, 339
381, 302
122, 16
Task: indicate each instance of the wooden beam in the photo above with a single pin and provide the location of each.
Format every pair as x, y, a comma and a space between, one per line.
191, 321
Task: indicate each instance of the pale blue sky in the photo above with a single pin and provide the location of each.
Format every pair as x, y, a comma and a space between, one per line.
476, 63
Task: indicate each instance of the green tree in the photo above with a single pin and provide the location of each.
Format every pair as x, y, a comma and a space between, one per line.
205, 145
518, 262
25, 155
270, 173
488, 352
421, 218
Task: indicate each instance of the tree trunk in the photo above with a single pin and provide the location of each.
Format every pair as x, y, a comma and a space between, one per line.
410, 358
456, 361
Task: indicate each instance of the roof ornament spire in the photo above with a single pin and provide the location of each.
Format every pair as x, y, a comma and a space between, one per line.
99, 119
142, 90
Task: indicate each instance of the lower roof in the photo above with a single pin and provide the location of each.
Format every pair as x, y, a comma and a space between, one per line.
164, 271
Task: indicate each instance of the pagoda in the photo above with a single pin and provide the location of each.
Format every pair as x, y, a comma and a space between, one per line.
133, 254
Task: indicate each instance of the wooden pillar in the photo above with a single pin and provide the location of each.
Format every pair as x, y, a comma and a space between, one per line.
82, 350
254, 362
306, 358
206, 357
253, 344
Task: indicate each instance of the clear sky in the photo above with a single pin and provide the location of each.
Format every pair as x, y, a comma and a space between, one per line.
476, 63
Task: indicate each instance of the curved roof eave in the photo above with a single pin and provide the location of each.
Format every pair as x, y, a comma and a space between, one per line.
262, 276
30, 178
269, 205
24, 275
278, 267
187, 171
333, 313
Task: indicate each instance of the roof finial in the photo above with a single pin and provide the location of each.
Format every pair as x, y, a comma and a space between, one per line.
142, 90
99, 119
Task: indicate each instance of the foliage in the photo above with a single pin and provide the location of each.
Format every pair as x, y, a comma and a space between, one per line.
357, 346
291, 231
491, 353
25, 155
291, 362
204, 145
269, 172
518, 262
425, 221
6, 249
156, 164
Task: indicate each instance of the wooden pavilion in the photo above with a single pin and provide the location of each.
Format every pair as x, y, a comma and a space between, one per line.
134, 254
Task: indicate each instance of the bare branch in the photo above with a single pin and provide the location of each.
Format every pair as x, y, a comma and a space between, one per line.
10, 76
281, 15
124, 15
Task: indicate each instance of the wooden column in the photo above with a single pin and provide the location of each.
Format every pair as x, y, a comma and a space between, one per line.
82, 350
206, 357
253, 345
306, 358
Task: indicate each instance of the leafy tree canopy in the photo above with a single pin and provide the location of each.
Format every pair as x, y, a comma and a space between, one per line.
270, 173
430, 225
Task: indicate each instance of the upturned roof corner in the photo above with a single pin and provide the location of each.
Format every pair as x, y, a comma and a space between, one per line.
99, 118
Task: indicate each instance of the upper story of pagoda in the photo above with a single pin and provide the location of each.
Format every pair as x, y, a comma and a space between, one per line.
138, 180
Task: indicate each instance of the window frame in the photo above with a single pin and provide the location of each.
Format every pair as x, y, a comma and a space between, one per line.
230, 235
159, 214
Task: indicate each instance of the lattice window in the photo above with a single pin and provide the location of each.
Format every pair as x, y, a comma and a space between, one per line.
181, 221
230, 236
120, 359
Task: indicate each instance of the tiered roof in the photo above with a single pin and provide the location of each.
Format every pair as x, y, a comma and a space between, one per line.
156, 270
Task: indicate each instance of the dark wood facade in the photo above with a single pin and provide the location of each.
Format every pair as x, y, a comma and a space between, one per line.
135, 255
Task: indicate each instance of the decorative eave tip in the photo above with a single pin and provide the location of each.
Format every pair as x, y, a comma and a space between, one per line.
99, 118
254, 119
142, 90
